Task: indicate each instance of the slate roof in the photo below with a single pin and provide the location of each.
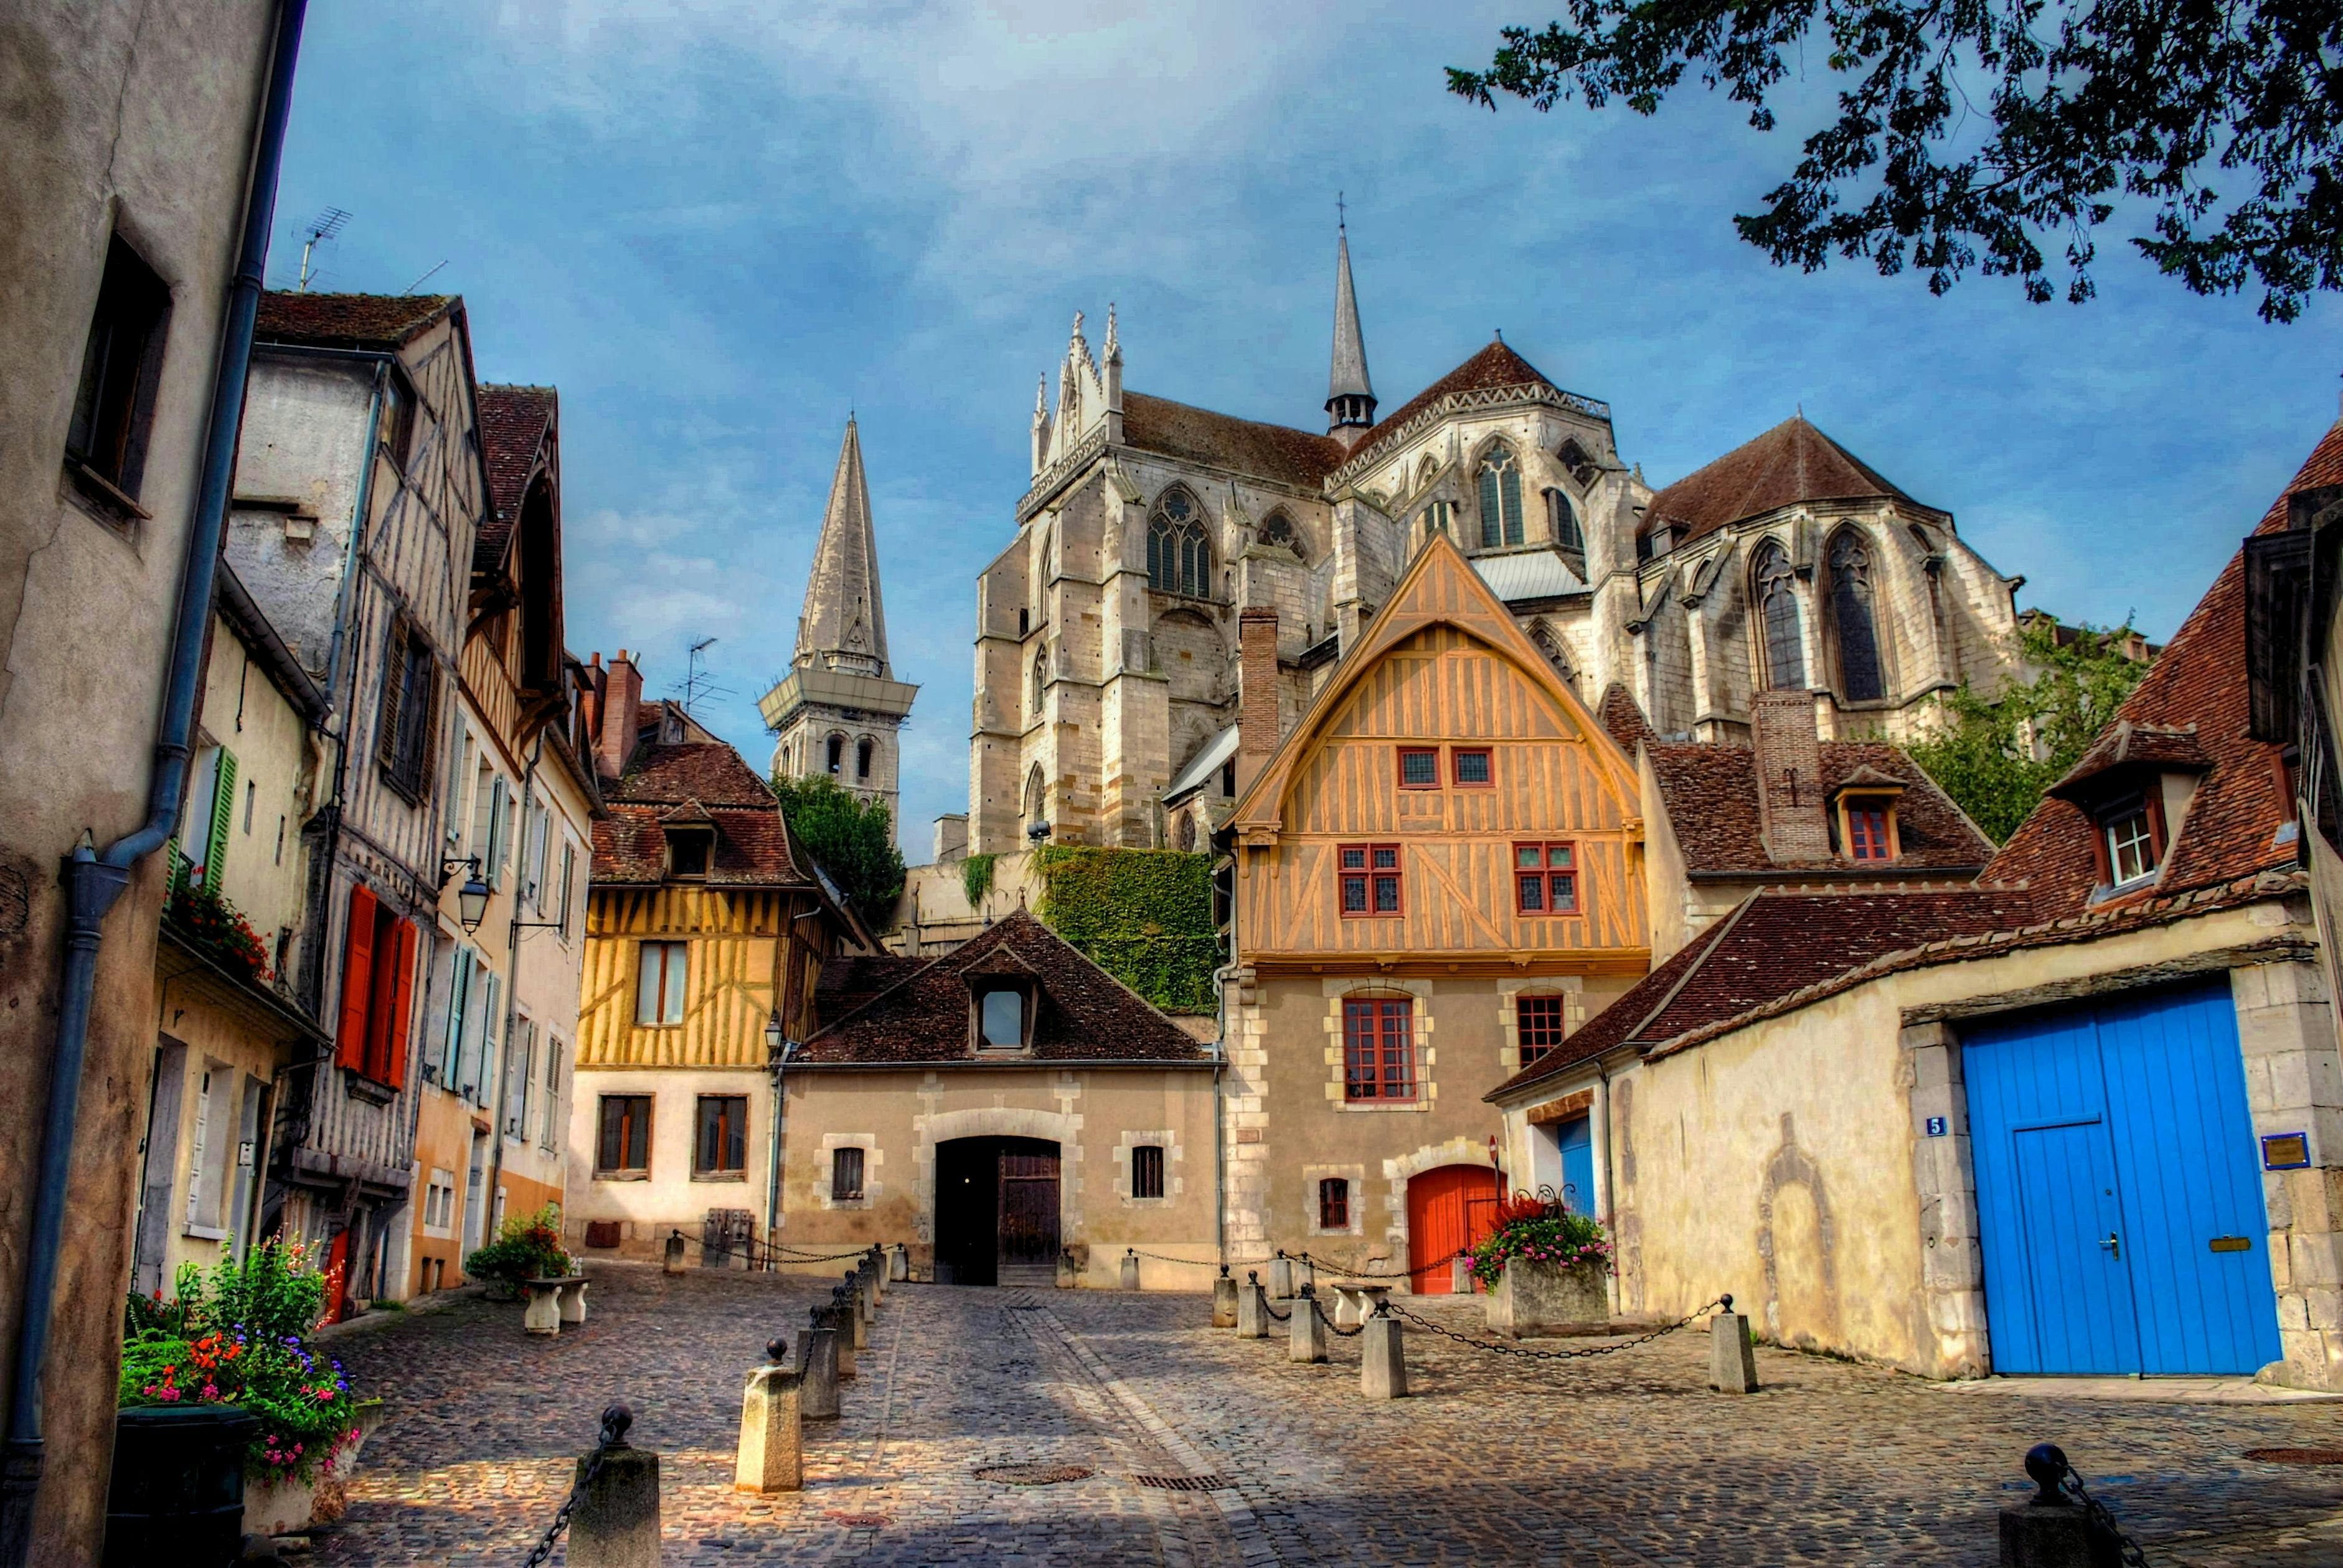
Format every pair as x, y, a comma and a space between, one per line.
754, 847
1084, 1013
1711, 795
1275, 452
348, 320
1494, 366
514, 423
1790, 464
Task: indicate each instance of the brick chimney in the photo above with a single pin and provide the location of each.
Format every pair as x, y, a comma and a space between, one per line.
1257, 703
1791, 814
622, 705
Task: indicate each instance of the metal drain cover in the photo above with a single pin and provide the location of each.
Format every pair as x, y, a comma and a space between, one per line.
1184, 1482
2296, 1456
1033, 1475
860, 1521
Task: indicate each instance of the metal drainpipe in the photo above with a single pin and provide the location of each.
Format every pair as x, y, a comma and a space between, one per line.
512, 984
93, 881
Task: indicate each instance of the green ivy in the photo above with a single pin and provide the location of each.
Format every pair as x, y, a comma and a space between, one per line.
1144, 916
976, 878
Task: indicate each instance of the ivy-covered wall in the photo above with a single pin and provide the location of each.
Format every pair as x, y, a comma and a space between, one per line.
1144, 916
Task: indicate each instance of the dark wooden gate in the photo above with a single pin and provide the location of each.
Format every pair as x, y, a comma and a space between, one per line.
1028, 1213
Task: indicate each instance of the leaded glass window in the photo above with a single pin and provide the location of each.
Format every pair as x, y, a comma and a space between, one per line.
1854, 610
1777, 604
1501, 499
1562, 521
1179, 551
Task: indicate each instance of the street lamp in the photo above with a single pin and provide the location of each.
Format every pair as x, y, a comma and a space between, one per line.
472, 898
773, 1036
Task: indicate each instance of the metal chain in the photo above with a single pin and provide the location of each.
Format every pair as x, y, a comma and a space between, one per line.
1327, 1266
1337, 1329
2072, 1485
1547, 1355
615, 1422
1274, 1314
1197, 1262
750, 1247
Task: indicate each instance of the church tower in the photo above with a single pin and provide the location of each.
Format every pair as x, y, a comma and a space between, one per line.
1350, 395
839, 710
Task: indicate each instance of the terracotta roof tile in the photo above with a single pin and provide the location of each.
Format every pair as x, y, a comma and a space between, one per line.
1626, 721
1791, 463
1494, 366
514, 424
708, 771
2126, 745
349, 320
853, 979
1276, 452
697, 780
1711, 795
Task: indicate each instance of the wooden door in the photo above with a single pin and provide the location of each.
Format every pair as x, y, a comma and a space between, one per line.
1448, 1210
1028, 1208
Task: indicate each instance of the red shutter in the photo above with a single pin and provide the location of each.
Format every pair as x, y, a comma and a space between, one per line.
358, 978
392, 1068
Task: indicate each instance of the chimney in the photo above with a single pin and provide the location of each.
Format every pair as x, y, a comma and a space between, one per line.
1790, 810
621, 705
1257, 702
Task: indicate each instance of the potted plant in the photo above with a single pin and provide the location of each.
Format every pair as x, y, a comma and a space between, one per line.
1545, 1268
527, 1247
212, 923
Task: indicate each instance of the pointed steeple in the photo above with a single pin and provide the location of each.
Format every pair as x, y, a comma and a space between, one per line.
1350, 395
844, 626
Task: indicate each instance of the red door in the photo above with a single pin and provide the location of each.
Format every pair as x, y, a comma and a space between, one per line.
1449, 1209
338, 1268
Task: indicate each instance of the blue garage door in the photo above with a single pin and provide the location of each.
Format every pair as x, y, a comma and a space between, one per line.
2117, 1188
1576, 1142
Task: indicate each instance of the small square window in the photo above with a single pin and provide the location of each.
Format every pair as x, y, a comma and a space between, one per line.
1474, 768
845, 1174
106, 444
1545, 880
1368, 878
721, 1148
626, 1127
1540, 1025
1419, 768
2131, 845
687, 852
1147, 1170
1334, 1203
1001, 1021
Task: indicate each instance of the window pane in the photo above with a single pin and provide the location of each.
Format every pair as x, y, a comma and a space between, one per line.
1564, 891
647, 982
1558, 856
1532, 893
1147, 1170
1539, 1025
1334, 1205
1354, 860
675, 978
1354, 895
845, 1173
1386, 895
1472, 768
1004, 1018
1419, 769
1528, 856
1386, 857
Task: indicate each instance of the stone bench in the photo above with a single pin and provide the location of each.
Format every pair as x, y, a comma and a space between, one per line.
1354, 1304
553, 1302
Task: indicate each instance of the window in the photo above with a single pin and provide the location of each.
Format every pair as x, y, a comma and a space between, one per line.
1147, 1170
720, 1146
1853, 613
1435, 519
1472, 768
1577, 463
409, 710
1562, 522
863, 750
1419, 768
845, 1175
1000, 1021
1370, 878
569, 883
834, 750
550, 1136
1869, 828
1379, 1050
208, 813
1334, 1203
658, 995
1777, 606
520, 1077
121, 364
2131, 844
1501, 499
625, 1142
1229, 776
1179, 551
378, 990
398, 418
1545, 880
687, 852
1279, 531
1539, 1025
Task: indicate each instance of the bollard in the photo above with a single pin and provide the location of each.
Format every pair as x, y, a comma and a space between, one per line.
1382, 1359
818, 1384
771, 1455
674, 1264
1307, 1338
877, 1273
1460, 1274
854, 1308
2047, 1530
868, 1273
1253, 1309
1225, 1300
839, 1317
617, 1520
1732, 1362
1281, 1277
1130, 1270
898, 1264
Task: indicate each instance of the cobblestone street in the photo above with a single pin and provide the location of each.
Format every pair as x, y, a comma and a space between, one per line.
1619, 1460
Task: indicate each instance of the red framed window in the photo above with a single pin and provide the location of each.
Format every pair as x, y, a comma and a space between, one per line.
1334, 1203
1369, 876
1545, 879
1473, 767
1867, 834
1379, 1050
1538, 1025
1419, 768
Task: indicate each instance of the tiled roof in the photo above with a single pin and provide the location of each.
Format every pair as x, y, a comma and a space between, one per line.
754, 847
1711, 795
709, 773
1275, 452
1494, 366
1084, 1013
348, 320
2126, 745
1789, 464
1624, 720
514, 421
849, 980
2231, 829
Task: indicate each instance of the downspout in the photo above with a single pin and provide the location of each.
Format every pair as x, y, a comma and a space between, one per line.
512, 983
93, 881
781, 1065
1221, 979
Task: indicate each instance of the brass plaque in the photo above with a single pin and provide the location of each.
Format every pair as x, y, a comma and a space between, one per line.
2285, 1152
2232, 1244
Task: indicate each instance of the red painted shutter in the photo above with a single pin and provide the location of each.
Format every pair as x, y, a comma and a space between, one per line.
358, 978
393, 1058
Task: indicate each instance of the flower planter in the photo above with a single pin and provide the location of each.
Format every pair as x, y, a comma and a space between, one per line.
287, 1505
1533, 1299
178, 1490
553, 1302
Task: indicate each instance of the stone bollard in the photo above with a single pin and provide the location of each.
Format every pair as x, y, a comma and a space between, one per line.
854, 1306
868, 1273
1382, 1359
1253, 1309
1732, 1360
771, 1455
879, 1272
1281, 1278
1130, 1270
1306, 1340
1225, 1300
818, 1384
898, 1264
674, 1261
2049, 1529
617, 1520
840, 1319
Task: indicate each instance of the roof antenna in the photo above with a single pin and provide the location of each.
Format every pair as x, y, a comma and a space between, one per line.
424, 279
697, 684
1342, 214
325, 225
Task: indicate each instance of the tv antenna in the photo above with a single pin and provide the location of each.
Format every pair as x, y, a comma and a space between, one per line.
424, 279
325, 225
697, 684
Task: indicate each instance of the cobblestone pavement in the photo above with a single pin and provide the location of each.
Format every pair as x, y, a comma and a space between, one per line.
1622, 1460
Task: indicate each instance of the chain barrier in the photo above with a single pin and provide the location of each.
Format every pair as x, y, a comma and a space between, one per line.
1527, 1354
755, 1250
614, 1422
1276, 1316
2096, 1512
1197, 1262
1332, 1327
1328, 1267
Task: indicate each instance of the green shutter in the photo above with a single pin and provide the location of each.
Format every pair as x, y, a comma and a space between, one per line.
223, 814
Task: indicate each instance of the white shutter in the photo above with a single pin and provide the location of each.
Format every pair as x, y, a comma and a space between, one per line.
459, 781
492, 1024
499, 820
195, 1156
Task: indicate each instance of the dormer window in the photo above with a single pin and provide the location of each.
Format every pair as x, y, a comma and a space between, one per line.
1001, 1014
2134, 786
689, 850
1870, 821
2129, 842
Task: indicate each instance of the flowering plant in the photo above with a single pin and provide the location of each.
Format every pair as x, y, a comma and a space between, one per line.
207, 918
527, 1247
1527, 1228
240, 1336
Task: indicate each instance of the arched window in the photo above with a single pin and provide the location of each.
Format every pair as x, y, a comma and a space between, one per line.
836, 747
1426, 471
1187, 831
1037, 805
1855, 619
1179, 551
1279, 530
1576, 463
1562, 521
1040, 685
1501, 499
862, 749
1773, 586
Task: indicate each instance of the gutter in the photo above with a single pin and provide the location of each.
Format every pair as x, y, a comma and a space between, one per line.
94, 880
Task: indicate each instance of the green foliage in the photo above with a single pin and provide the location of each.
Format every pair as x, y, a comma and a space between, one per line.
1996, 759
527, 1247
209, 920
1530, 1229
852, 839
1144, 916
976, 878
1979, 135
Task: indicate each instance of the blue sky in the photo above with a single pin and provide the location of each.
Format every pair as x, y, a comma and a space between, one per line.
715, 227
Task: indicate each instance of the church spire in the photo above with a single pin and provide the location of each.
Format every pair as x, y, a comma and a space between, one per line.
1350, 395
844, 627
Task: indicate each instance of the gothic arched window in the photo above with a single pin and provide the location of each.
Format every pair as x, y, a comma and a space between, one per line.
1855, 619
1773, 586
1576, 463
1501, 498
1562, 521
1041, 683
1279, 530
1037, 805
862, 749
1179, 551
1424, 474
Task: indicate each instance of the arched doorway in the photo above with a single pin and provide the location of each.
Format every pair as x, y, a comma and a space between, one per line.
1449, 1209
996, 1211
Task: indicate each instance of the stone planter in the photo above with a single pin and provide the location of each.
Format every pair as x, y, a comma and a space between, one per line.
1533, 1299
288, 1506
553, 1302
